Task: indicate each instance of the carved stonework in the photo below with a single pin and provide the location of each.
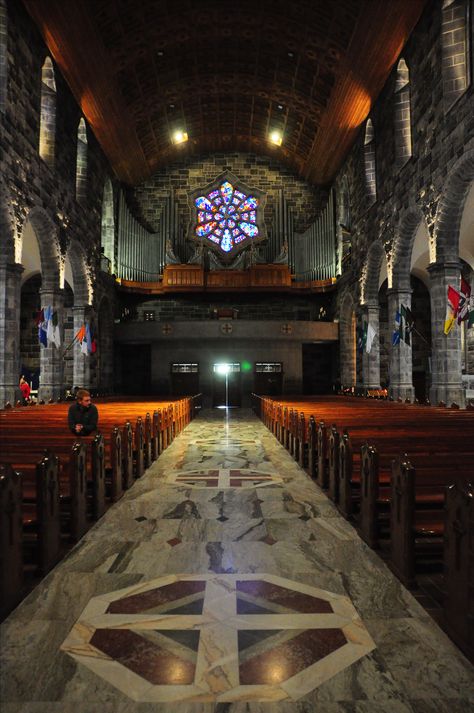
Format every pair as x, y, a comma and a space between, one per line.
428, 199
227, 216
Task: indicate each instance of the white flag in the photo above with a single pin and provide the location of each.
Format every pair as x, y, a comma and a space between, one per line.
370, 338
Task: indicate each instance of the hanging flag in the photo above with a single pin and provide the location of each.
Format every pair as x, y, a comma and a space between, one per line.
48, 318
56, 330
470, 321
362, 337
397, 334
42, 327
81, 333
93, 341
409, 322
451, 309
370, 338
88, 338
464, 301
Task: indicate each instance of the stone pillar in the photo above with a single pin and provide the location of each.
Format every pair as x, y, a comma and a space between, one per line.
401, 366
81, 369
446, 383
371, 360
51, 358
10, 302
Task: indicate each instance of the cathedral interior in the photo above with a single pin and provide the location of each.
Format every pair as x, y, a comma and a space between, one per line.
247, 230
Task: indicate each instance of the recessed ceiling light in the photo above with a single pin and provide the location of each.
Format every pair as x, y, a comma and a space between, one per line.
160, 53
276, 138
171, 106
291, 54
179, 137
280, 106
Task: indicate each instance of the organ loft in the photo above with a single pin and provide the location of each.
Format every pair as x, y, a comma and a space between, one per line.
237, 291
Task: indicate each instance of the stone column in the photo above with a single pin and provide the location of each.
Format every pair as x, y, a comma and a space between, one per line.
371, 360
10, 303
401, 365
81, 369
51, 358
446, 383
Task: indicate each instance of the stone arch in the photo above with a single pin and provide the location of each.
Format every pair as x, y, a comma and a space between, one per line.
344, 225
347, 341
399, 274
451, 207
46, 234
81, 277
375, 261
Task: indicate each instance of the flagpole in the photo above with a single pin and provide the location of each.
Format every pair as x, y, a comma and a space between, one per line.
69, 346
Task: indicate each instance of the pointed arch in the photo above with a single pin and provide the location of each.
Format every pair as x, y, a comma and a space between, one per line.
451, 207
347, 341
376, 261
81, 161
10, 246
80, 274
402, 115
369, 162
107, 238
402, 248
47, 132
46, 234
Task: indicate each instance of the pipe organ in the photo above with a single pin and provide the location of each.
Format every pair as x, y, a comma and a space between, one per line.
315, 249
311, 255
141, 254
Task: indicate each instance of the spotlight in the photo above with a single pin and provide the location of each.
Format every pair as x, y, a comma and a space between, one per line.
276, 138
222, 369
179, 137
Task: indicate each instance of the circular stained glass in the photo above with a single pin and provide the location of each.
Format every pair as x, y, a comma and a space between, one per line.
226, 216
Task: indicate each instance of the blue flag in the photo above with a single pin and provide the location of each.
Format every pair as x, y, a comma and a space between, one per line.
398, 329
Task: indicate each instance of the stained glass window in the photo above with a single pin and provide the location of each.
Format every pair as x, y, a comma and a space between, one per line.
226, 216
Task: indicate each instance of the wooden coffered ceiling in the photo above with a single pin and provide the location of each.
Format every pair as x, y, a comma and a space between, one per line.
227, 73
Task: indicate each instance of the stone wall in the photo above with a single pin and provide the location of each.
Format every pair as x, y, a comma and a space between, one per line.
428, 190
44, 193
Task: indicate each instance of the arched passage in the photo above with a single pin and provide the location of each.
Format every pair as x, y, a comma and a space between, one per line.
347, 342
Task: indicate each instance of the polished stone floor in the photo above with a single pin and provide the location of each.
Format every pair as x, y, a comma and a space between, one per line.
225, 581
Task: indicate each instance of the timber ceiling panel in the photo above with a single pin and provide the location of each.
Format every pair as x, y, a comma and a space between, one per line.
227, 73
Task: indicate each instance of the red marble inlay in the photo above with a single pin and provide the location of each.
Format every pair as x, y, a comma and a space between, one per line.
169, 593
143, 657
268, 539
174, 541
289, 658
289, 598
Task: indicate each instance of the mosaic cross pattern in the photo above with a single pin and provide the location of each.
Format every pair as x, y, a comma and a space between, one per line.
218, 638
223, 478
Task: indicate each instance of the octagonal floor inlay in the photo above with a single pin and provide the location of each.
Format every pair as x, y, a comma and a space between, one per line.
218, 637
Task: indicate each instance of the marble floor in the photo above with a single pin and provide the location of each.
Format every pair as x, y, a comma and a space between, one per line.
225, 581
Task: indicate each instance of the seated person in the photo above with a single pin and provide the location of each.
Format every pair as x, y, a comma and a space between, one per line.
83, 415
25, 390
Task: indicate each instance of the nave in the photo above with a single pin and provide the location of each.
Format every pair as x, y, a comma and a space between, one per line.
224, 580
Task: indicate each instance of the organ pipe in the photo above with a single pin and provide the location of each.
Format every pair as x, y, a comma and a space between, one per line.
314, 250
141, 254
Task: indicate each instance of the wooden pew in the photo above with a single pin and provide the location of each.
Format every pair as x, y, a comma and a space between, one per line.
459, 565
11, 537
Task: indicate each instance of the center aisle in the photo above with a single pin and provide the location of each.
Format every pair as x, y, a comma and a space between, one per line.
225, 581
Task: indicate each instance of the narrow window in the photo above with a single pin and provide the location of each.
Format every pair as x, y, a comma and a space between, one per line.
403, 148
81, 161
108, 227
369, 158
455, 50
47, 132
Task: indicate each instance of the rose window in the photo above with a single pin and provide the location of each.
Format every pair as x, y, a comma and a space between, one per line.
227, 217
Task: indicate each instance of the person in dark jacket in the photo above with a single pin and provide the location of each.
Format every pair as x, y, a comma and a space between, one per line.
83, 415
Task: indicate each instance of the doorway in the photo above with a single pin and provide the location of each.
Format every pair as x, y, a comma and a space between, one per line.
135, 372
268, 378
226, 385
185, 379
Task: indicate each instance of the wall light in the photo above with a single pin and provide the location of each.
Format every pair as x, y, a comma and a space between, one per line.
222, 369
276, 138
179, 137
